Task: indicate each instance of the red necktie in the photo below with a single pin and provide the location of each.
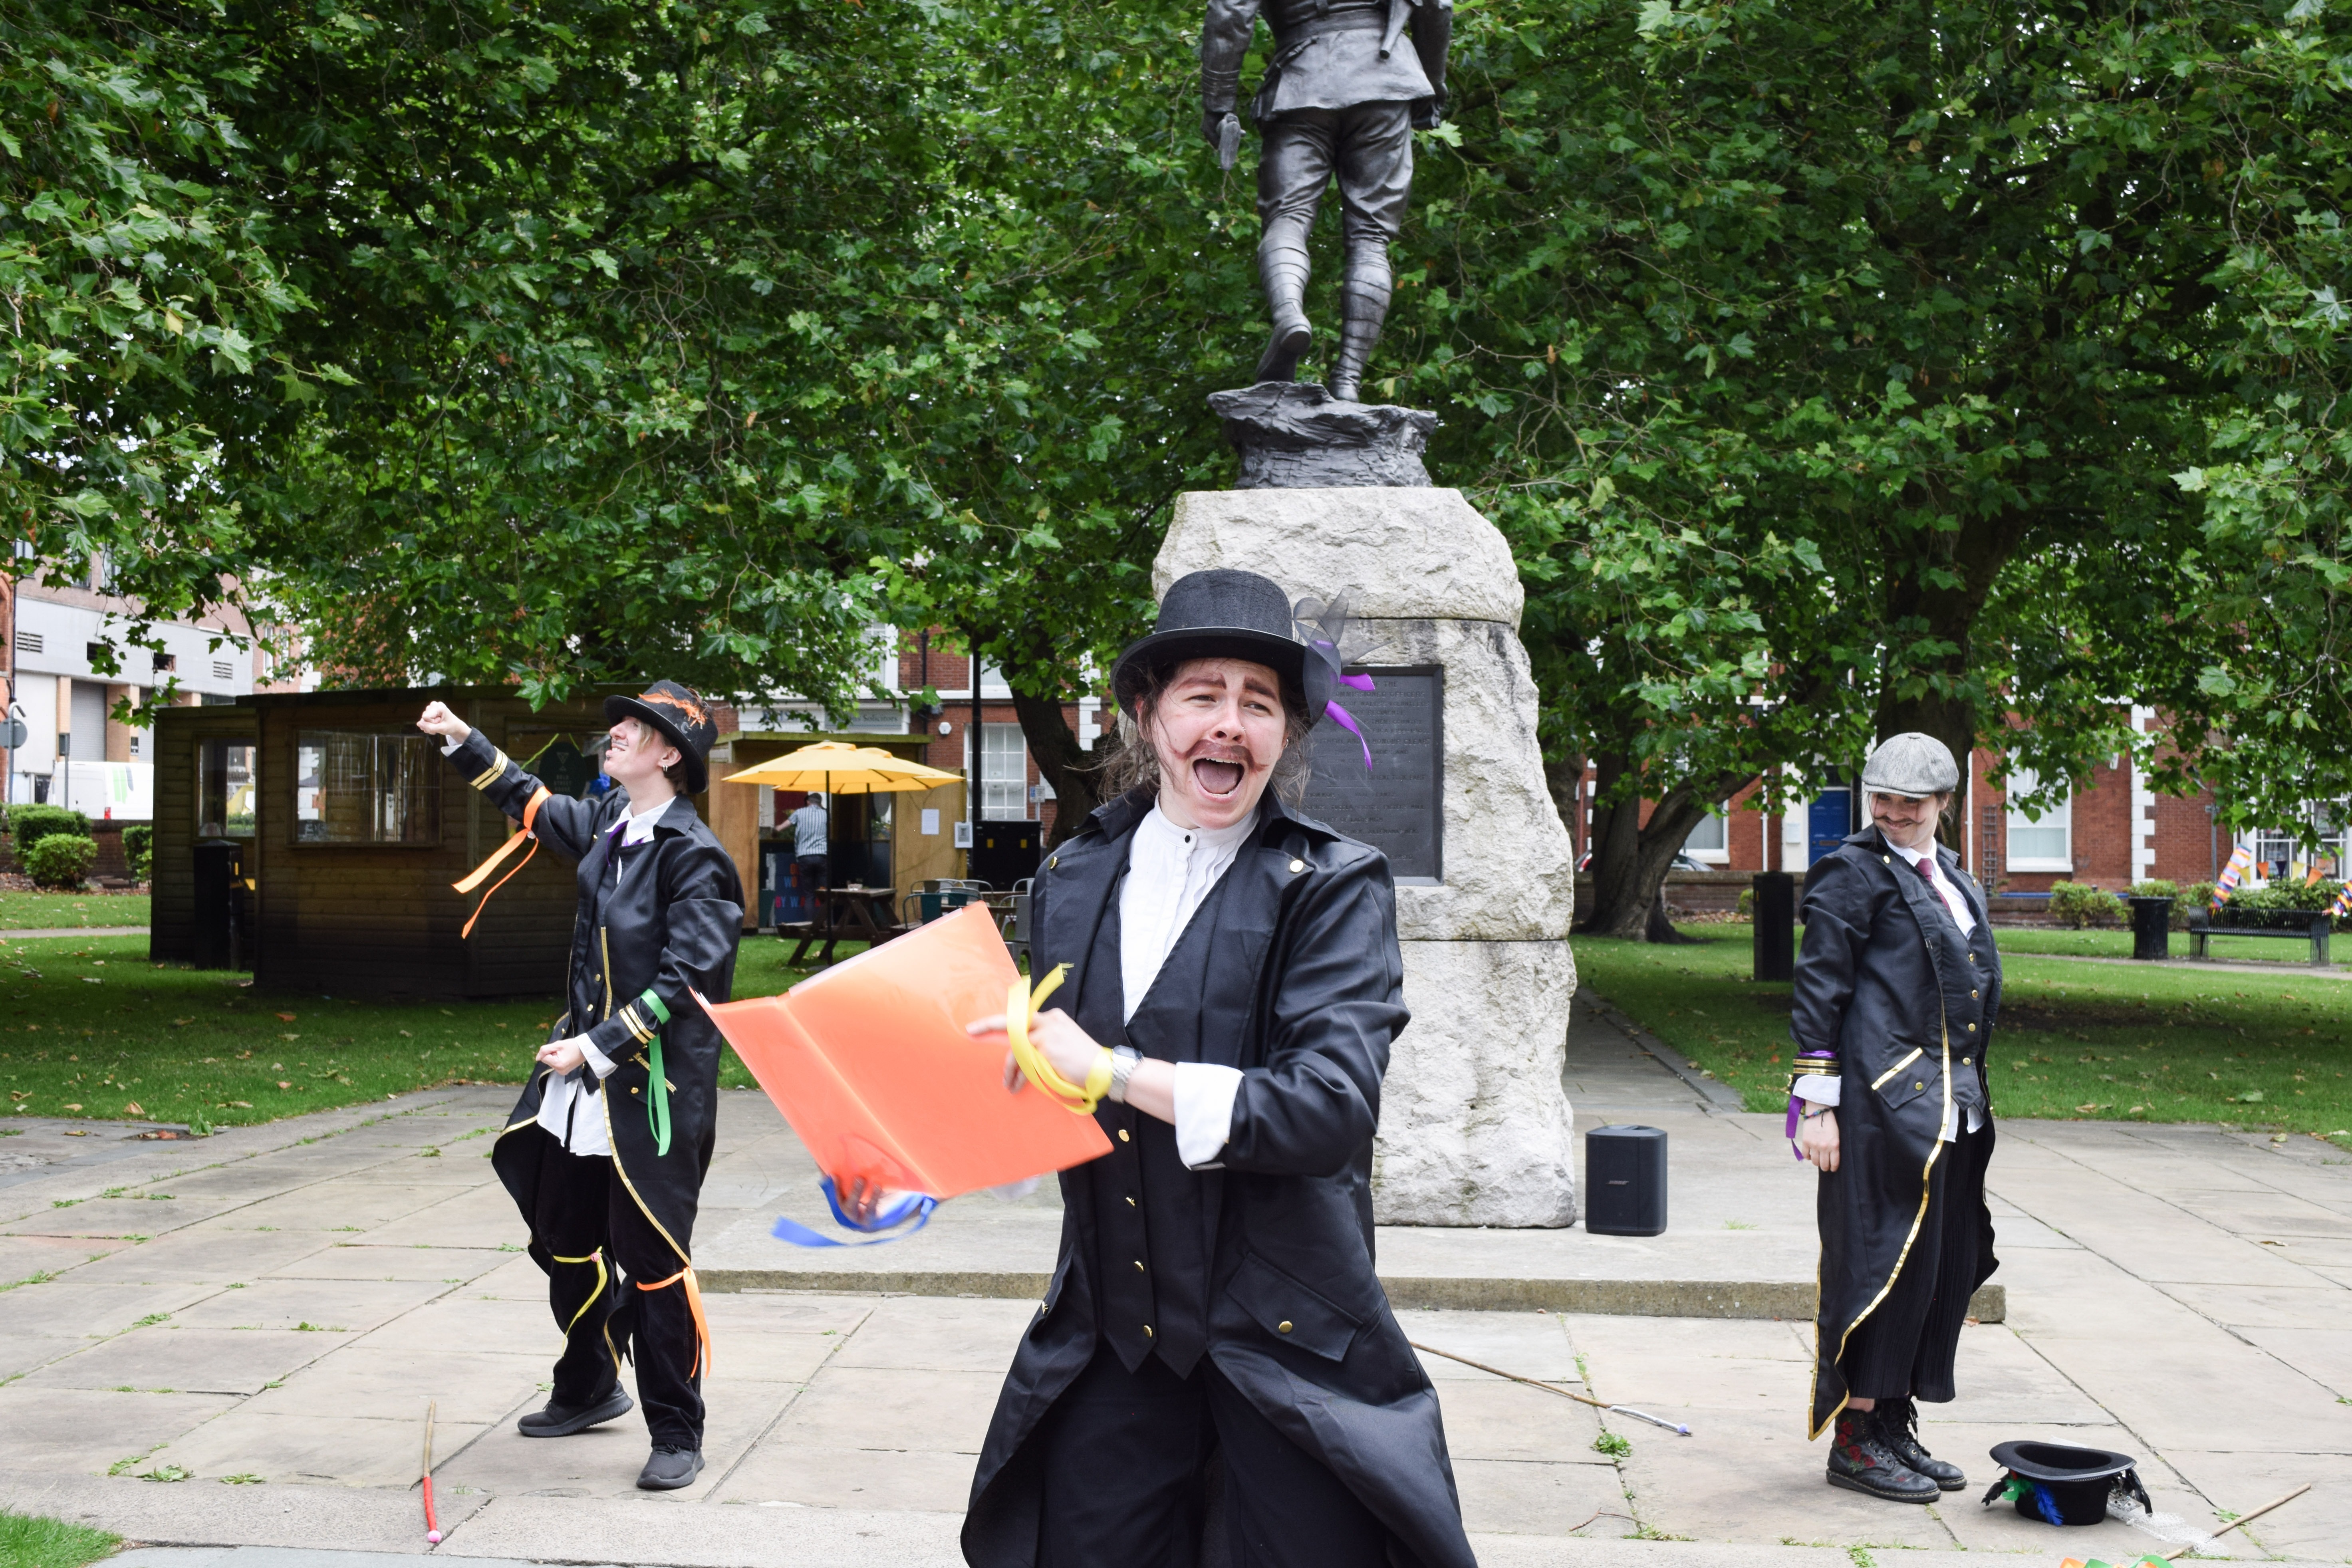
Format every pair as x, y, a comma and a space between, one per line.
1930, 878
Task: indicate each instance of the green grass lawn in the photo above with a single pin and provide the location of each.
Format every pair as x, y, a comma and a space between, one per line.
45, 911
92, 1029
2074, 1040
28, 1540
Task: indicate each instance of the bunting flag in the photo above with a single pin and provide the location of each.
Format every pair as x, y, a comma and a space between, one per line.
2241, 859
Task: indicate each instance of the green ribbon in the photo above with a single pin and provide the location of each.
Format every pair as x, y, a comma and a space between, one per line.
656, 1092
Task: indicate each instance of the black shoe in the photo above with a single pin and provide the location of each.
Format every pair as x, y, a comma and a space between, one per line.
1860, 1463
1898, 1428
1285, 348
668, 1469
562, 1420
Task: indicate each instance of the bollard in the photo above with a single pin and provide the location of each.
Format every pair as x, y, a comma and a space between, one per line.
2151, 928
1775, 903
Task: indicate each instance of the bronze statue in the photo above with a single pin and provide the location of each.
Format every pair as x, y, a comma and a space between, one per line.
1343, 96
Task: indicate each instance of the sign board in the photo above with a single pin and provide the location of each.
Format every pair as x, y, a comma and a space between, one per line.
14, 733
1398, 806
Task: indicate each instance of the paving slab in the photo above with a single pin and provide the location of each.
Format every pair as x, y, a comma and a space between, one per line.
2178, 1293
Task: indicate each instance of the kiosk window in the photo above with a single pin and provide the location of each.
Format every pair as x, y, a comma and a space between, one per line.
359, 788
224, 789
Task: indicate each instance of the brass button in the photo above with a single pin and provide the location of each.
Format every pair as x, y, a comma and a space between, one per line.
1122, 1134
1138, 1266
1130, 1203
1976, 993
1052, 861
1966, 1062
1296, 866
1147, 1331
1972, 1029
1282, 1327
1919, 1085
1887, 860
632, 1091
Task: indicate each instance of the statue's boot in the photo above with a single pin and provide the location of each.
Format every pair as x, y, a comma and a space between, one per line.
1282, 271
1364, 292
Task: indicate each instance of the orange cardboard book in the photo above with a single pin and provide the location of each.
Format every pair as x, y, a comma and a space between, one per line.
870, 1062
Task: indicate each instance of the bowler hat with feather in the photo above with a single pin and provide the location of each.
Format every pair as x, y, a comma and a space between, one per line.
683, 719
1226, 614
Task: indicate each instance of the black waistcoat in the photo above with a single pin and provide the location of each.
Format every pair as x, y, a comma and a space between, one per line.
1968, 1075
1151, 1279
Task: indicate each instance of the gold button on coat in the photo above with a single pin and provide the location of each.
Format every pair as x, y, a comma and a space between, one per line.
1282, 1327
1138, 1266
1972, 1029
1147, 1331
1122, 1134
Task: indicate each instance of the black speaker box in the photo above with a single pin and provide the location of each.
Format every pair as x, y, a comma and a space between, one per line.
1625, 1180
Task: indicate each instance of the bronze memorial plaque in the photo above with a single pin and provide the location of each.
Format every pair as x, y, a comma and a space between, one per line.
1399, 806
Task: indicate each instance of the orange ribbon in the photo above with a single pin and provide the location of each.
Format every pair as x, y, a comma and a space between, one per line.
693, 1305
474, 879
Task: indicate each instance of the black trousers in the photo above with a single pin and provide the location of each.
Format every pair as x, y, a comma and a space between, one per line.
597, 1248
1124, 1454
817, 872
1909, 1345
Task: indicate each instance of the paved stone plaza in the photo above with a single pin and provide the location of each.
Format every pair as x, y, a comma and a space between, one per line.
269, 1309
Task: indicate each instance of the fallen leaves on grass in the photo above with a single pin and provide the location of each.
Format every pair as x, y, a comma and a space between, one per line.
286, 1017
2086, 1109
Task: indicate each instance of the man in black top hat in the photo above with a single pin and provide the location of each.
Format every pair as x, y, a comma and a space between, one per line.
1214, 1325
1895, 995
606, 1150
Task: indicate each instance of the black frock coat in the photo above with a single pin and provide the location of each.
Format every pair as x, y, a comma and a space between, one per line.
1885, 982
639, 950
1300, 987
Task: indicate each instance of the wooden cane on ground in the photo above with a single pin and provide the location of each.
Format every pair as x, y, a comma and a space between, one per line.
2180, 1551
431, 1526
1549, 1388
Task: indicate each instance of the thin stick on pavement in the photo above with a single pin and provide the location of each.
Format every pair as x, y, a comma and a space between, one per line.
1580, 1399
2180, 1551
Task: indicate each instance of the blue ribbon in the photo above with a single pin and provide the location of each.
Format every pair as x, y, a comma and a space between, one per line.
918, 1207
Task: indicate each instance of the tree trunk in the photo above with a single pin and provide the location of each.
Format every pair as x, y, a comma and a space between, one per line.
1074, 774
1630, 858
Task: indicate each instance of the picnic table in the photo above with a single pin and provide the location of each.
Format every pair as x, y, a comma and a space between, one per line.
852, 913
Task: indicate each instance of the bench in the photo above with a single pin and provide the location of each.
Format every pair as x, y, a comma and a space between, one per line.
2314, 931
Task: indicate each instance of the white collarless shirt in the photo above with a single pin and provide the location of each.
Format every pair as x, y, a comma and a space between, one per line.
1170, 872
1822, 1089
568, 1112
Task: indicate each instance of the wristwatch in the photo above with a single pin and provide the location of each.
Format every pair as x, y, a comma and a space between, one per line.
1122, 1068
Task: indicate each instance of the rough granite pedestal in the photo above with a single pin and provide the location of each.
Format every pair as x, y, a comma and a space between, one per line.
1475, 1125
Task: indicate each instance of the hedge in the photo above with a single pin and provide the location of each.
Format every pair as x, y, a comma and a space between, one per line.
60, 861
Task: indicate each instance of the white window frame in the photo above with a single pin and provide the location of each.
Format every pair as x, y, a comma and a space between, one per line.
1011, 792
2059, 819
1720, 854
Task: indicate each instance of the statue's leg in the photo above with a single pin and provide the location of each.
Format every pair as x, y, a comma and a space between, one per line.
1375, 167
1293, 165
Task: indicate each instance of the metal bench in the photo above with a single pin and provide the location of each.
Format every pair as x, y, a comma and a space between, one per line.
2314, 930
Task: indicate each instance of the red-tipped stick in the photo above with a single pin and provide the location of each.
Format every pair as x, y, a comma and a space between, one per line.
431, 1526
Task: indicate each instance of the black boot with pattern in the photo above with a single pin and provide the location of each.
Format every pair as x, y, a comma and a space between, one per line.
1860, 1462
1898, 1428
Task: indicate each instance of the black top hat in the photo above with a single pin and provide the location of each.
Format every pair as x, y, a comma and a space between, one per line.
1224, 614
2068, 1485
683, 720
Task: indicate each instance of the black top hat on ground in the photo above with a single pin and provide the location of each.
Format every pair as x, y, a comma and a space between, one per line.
683, 720
1224, 614
2076, 1482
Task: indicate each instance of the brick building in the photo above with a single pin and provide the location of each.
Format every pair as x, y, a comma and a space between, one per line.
2112, 832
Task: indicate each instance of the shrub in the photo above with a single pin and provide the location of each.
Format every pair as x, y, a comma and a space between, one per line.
2080, 904
59, 861
2194, 898
139, 849
28, 824
2154, 888
1748, 903
2286, 895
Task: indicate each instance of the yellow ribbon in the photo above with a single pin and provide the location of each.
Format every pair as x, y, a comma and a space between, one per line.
1020, 1005
597, 1257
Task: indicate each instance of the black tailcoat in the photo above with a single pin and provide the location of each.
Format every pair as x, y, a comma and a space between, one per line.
639, 950
1887, 985
1295, 978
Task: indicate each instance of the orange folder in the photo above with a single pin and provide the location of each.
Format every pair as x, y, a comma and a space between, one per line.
870, 1062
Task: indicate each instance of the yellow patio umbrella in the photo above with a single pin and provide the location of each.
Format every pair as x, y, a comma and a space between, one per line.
836, 768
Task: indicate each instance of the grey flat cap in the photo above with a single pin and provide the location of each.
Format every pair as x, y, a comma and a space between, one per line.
1911, 765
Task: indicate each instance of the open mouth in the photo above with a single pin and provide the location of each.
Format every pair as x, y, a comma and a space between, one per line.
1216, 777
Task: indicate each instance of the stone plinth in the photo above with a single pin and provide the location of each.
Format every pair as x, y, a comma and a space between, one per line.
1292, 435
1474, 1126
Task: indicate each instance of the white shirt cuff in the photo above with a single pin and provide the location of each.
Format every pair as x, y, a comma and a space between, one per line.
1820, 1087
449, 748
1204, 1113
598, 1062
